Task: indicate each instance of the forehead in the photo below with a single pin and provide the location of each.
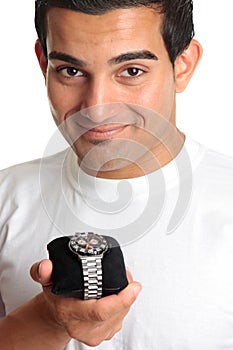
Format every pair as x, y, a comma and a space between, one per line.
65, 27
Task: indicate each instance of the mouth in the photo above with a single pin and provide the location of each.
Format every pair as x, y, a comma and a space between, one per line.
107, 132
107, 126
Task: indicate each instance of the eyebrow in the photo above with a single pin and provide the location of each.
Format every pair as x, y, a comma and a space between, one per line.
133, 55
55, 55
128, 56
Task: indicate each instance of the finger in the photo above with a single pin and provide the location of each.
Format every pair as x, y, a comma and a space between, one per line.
115, 325
96, 335
105, 308
93, 333
41, 272
129, 275
124, 299
34, 272
102, 309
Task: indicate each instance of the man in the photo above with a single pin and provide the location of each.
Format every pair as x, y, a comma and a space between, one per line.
112, 70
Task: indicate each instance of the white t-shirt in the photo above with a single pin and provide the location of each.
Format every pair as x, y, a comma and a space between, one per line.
175, 227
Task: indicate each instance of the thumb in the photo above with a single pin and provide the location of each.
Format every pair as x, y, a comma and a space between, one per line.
41, 272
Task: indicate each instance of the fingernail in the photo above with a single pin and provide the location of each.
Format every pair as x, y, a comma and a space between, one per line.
137, 289
39, 271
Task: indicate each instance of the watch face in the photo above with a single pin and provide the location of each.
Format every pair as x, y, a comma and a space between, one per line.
88, 243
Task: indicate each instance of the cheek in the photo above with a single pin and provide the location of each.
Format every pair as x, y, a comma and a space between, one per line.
63, 100
57, 101
160, 96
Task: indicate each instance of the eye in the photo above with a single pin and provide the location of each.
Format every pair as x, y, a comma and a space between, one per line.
70, 72
132, 72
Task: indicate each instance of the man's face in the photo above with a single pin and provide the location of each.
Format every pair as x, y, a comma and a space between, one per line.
104, 61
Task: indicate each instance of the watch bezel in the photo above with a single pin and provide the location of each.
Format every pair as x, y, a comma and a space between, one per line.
76, 248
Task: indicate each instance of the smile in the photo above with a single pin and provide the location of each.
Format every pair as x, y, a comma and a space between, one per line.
104, 133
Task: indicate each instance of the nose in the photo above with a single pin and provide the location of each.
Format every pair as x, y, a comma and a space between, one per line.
99, 102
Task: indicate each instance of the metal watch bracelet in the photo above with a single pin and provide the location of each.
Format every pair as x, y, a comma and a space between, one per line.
92, 274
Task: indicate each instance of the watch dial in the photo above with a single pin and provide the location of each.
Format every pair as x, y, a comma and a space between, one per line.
88, 243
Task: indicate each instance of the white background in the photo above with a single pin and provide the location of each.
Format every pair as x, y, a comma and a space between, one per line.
205, 109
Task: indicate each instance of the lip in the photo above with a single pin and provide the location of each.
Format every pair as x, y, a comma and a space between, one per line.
104, 133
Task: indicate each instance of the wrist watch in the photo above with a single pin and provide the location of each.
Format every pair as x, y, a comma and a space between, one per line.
90, 248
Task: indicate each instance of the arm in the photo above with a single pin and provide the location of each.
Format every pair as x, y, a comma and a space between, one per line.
29, 327
48, 322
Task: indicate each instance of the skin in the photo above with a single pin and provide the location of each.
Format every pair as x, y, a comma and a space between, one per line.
77, 79
48, 322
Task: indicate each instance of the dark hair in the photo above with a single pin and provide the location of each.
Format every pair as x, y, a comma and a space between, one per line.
177, 28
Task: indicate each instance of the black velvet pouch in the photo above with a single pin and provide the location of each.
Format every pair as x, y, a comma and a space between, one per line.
67, 274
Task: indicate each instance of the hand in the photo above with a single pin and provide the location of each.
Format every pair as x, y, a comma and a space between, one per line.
89, 321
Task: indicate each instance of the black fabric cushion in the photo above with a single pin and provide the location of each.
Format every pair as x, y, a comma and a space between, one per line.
67, 274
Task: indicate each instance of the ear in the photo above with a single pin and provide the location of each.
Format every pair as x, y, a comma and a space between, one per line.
185, 65
41, 57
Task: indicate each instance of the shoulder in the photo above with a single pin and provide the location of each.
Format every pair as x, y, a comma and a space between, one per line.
27, 175
213, 184
210, 169
216, 168
219, 160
